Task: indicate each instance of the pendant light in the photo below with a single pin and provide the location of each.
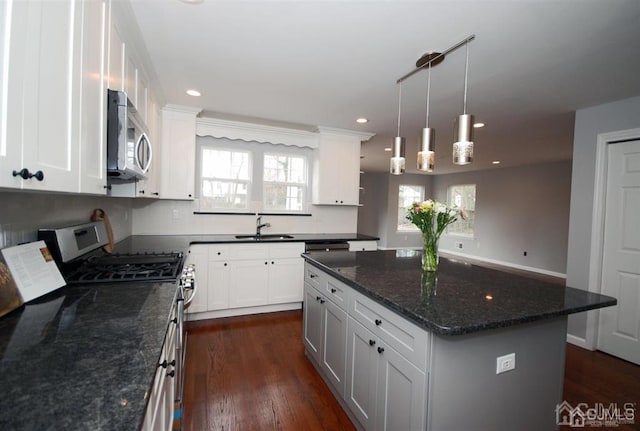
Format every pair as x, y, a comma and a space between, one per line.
427, 155
463, 144
397, 164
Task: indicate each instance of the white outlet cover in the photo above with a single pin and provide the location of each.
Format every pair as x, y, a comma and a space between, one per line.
505, 363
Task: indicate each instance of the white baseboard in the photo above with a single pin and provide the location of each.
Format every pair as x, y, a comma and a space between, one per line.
578, 341
242, 311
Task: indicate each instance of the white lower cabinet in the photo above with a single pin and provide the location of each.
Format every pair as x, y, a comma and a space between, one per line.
384, 388
244, 277
160, 408
325, 335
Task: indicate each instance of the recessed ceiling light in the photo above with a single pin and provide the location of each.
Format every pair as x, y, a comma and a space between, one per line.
496, 162
478, 125
194, 93
387, 149
192, 1
362, 120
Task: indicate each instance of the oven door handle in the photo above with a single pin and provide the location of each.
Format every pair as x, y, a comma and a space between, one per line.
193, 288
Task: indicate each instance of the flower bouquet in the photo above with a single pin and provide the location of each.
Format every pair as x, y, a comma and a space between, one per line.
432, 218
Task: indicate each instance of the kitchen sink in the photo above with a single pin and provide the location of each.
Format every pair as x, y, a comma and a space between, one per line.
264, 236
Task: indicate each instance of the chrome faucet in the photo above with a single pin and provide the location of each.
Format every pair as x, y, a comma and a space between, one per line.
260, 225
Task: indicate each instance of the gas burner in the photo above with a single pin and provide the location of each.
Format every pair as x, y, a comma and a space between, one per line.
128, 267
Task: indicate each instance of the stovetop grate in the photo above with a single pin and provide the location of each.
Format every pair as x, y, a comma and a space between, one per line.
128, 267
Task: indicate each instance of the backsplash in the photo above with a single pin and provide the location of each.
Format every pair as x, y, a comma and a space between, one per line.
23, 213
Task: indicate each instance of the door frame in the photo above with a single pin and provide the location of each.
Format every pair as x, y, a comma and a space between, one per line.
597, 224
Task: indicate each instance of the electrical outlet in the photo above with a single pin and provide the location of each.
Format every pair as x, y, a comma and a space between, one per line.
457, 244
524, 253
505, 363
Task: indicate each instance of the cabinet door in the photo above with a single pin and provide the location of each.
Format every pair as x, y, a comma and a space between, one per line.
286, 280
400, 394
198, 257
362, 367
248, 283
336, 172
50, 79
334, 354
178, 148
116, 57
13, 17
93, 172
312, 317
218, 287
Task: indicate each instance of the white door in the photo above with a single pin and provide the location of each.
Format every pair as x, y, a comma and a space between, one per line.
619, 332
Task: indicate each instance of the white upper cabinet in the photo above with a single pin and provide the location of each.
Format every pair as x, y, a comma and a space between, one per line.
336, 168
178, 152
116, 57
54, 64
41, 139
93, 139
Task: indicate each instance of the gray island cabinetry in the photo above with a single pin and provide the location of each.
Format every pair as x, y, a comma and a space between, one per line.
401, 352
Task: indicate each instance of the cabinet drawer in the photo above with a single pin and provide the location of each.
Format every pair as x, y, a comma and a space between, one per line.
219, 252
286, 250
408, 339
314, 276
338, 292
363, 245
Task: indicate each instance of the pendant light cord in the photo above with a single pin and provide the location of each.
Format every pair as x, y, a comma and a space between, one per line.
399, 104
466, 72
428, 93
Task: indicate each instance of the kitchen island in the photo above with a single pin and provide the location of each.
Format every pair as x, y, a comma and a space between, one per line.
468, 348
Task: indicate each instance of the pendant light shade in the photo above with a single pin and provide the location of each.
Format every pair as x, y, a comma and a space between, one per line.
463, 145
427, 155
397, 164
463, 136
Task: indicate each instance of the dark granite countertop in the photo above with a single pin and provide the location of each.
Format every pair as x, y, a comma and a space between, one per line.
142, 243
82, 357
464, 299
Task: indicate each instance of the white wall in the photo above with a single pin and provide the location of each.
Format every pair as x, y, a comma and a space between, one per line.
518, 209
177, 217
589, 123
23, 213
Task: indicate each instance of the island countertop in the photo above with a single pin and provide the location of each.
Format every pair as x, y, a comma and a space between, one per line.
461, 298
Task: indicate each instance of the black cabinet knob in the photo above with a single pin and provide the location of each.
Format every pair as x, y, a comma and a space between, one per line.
24, 173
225, 264
164, 363
155, 194
312, 276
378, 322
272, 262
333, 290
141, 192
322, 301
372, 342
318, 298
171, 374
39, 175
218, 253
190, 195
380, 349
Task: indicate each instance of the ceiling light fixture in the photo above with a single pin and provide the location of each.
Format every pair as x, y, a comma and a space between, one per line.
427, 155
387, 149
397, 165
496, 162
362, 120
463, 145
194, 93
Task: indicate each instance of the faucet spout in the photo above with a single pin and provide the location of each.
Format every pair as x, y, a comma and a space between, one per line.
260, 225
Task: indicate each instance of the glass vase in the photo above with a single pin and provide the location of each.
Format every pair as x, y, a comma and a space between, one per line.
429, 253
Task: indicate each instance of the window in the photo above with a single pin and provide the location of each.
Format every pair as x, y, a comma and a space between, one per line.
408, 194
284, 182
463, 197
251, 177
225, 179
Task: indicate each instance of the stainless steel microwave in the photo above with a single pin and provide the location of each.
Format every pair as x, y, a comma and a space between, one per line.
129, 150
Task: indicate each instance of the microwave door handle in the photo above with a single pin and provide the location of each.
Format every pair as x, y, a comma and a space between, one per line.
143, 137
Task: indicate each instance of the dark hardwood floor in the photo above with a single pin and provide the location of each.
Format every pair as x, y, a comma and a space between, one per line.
250, 373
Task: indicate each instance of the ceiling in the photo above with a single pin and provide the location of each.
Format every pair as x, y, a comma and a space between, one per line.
326, 63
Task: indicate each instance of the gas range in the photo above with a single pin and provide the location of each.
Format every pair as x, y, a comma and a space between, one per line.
164, 266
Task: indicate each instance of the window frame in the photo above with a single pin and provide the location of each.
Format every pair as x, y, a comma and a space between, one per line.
304, 185
412, 228
471, 212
